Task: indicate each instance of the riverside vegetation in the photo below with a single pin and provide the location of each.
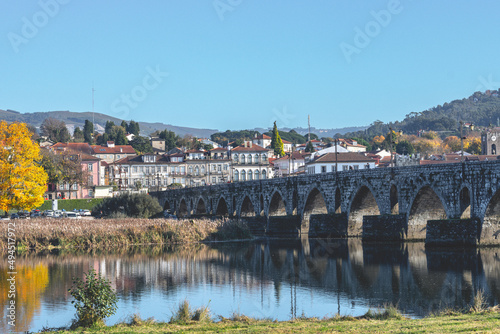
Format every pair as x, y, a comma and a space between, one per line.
46, 233
389, 320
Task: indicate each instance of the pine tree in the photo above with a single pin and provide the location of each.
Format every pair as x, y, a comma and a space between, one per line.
276, 142
88, 132
309, 147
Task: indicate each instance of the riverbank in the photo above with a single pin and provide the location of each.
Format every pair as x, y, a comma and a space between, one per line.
386, 322
47, 233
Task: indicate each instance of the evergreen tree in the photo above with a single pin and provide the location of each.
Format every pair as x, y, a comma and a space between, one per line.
88, 132
78, 135
124, 125
276, 142
170, 139
109, 126
309, 147
133, 127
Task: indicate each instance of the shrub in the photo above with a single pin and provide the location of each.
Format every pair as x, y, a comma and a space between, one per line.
94, 299
131, 205
185, 314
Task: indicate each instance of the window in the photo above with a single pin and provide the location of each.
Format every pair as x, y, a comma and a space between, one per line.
356, 167
264, 174
256, 159
264, 157
257, 175
183, 170
236, 175
219, 168
250, 175
243, 175
89, 181
203, 182
118, 156
323, 169
196, 171
226, 167
214, 167
190, 169
242, 159
141, 169
344, 168
333, 168
75, 186
134, 169
90, 167
235, 157
164, 169
91, 193
202, 169
214, 179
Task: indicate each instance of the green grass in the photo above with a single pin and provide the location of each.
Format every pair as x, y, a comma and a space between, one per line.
484, 322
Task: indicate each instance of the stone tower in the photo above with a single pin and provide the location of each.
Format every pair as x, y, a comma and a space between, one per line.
490, 142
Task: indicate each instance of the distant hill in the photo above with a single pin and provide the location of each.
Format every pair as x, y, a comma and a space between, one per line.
480, 109
319, 132
74, 119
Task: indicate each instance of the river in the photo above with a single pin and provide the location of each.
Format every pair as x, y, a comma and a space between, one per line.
269, 278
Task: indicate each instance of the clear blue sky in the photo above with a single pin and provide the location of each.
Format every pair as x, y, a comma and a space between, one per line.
237, 64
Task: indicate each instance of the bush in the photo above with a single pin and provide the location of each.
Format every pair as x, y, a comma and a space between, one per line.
132, 205
94, 299
184, 314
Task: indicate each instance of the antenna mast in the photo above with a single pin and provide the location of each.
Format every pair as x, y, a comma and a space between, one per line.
309, 126
93, 104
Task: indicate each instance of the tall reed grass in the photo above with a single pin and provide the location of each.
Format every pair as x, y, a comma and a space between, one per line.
112, 233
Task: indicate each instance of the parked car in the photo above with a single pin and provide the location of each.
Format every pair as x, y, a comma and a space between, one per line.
14, 216
72, 215
36, 214
24, 214
48, 213
86, 213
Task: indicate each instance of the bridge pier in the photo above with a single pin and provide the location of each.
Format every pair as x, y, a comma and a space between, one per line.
453, 232
256, 224
284, 226
384, 228
330, 225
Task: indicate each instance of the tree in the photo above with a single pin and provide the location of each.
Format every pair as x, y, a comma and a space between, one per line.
309, 147
133, 127
141, 145
22, 179
78, 135
170, 139
124, 125
118, 135
88, 132
55, 130
109, 126
405, 147
276, 142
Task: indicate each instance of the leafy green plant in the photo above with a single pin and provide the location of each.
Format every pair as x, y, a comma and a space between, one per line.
94, 299
131, 205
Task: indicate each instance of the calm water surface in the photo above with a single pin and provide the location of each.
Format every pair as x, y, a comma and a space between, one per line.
278, 279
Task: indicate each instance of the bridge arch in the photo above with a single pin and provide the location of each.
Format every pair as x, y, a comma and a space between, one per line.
490, 228
261, 202
182, 210
394, 200
426, 205
166, 206
201, 207
363, 203
465, 203
247, 208
295, 202
338, 201
222, 209
277, 205
315, 203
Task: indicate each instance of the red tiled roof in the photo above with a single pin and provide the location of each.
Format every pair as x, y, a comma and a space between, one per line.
263, 136
295, 156
77, 147
343, 157
218, 149
254, 148
127, 149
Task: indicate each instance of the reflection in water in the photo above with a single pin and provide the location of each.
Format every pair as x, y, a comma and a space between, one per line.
278, 279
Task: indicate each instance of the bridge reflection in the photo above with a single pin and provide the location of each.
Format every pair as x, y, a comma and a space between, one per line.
417, 280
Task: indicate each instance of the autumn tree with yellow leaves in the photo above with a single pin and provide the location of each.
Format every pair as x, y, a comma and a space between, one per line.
22, 179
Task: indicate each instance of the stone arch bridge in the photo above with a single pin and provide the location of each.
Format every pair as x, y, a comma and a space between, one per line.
384, 203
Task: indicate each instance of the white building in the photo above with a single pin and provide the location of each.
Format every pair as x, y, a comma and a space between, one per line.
250, 162
289, 164
344, 161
